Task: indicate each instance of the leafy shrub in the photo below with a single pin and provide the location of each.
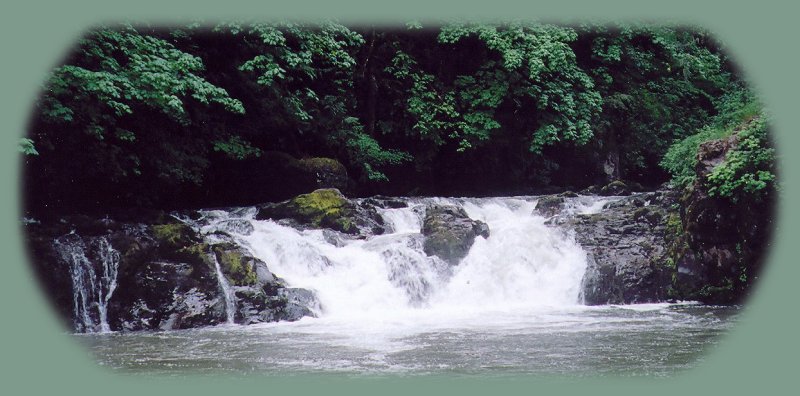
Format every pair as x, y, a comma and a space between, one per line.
681, 158
749, 168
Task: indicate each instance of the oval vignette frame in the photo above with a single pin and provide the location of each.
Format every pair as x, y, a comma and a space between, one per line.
756, 304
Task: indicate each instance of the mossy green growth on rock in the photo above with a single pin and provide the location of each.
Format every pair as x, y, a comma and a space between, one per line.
238, 267
178, 241
324, 208
174, 235
196, 253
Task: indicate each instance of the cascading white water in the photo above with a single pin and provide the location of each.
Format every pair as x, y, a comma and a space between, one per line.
91, 291
524, 264
509, 307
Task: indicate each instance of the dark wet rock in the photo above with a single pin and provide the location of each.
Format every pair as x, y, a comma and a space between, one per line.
326, 173
260, 295
591, 190
167, 295
481, 229
449, 232
299, 303
549, 205
615, 188
166, 276
626, 253
383, 202
326, 208
720, 245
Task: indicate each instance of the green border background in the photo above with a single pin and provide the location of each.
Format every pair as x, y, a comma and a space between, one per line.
759, 354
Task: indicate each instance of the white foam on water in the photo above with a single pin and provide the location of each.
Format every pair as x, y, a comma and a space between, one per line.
375, 290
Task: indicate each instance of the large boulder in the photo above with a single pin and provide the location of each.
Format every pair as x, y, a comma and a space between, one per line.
449, 232
616, 187
549, 205
326, 208
326, 173
626, 254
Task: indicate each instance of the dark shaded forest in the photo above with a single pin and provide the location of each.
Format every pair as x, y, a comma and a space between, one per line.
242, 113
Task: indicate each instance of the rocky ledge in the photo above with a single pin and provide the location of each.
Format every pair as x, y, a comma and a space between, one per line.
626, 250
158, 274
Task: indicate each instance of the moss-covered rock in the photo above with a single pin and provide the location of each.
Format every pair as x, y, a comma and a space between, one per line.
649, 214
718, 245
326, 208
238, 267
174, 235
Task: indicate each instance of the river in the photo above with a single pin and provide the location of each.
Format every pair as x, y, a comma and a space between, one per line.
511, 307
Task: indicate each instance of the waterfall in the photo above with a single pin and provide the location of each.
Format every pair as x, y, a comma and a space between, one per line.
227, 293
524, 264
91, 289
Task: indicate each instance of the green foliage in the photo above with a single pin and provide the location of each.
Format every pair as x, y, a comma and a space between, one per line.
236, 148
116, 70
117, 91
681, 158
150, 113
26, 147
657, 83
364, 150
300, 68
532, 69
748, 170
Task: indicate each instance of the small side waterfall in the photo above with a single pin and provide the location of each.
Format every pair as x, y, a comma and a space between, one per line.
228, 294
93, 279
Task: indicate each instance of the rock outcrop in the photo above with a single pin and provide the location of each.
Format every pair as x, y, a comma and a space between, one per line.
157, 276
719, 245
326, 208
626, 252
449, 232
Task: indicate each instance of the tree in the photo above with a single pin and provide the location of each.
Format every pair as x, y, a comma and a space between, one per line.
125, 107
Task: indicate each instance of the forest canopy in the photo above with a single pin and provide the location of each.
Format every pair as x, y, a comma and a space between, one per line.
149, 116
